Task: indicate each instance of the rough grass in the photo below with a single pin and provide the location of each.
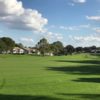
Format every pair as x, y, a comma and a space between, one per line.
26, 77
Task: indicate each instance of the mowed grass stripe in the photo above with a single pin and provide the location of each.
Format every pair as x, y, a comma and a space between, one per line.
26, 77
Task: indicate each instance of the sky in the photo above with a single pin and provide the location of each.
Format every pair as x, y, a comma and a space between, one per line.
75, 22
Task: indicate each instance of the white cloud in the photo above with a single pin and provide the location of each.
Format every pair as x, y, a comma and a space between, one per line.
79, 1
70, 28
85, 26
94, 18
10, 7
53, 36
15, 16
50, 36
89, 40
97, 29
74, 28
27, 39
58, 36
74, 2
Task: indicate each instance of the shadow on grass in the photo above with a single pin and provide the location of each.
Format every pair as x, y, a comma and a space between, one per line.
25, 97
81, 61
95, 80
82, 96
84, 70
86, 67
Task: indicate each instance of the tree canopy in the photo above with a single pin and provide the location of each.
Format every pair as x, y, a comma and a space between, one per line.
69, 49
43, 46
57, 47
6, 44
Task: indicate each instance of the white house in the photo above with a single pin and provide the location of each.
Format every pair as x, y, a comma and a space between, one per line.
30, 50
17, 50
38, 53
49, 54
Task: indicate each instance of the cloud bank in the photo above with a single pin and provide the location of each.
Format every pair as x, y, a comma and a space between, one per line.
94, 18
89, 40
15, 16
79, 1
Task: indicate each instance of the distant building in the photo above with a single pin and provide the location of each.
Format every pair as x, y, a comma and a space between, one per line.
38, 53
17, 50
95, 51
49, 54
30, 50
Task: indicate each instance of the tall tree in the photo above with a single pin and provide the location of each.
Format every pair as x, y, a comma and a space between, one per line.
57, 47
79, 49
87, 49
20, 45
43, 46
9, 43
2, 46
93, 47
69, 49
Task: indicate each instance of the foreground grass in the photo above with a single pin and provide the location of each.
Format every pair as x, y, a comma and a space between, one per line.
24, 77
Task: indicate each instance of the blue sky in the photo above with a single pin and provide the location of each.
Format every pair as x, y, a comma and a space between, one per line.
75, 22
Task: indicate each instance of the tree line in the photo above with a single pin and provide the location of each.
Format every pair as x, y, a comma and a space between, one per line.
56, 48
7, 44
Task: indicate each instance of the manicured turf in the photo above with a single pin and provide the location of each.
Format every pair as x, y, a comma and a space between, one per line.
26, 77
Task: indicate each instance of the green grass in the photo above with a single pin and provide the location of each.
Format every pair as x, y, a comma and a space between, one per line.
26, 77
